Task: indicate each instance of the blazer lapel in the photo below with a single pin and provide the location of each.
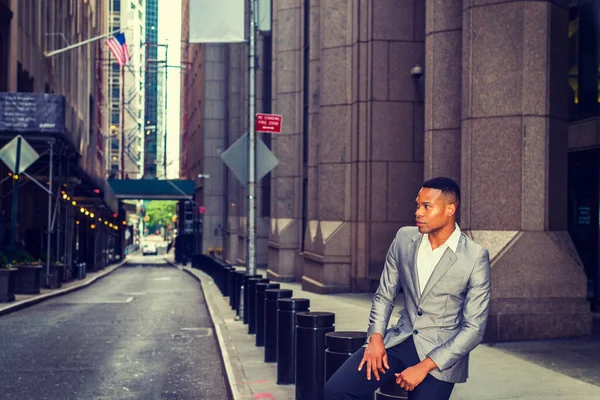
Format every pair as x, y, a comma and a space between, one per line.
448, 259
413, 248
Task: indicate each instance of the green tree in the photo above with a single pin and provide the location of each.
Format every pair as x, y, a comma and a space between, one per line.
160, 213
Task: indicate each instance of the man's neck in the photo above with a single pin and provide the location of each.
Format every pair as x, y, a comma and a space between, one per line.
440, 236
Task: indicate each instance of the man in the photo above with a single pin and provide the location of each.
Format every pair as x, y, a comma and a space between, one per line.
445, 278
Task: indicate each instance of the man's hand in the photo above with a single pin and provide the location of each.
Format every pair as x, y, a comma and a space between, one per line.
375, 357
411, 377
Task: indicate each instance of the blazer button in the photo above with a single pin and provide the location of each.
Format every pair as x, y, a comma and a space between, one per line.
416, 332
420, 313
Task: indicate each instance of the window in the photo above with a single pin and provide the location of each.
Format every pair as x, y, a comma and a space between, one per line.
117, 5
584, 62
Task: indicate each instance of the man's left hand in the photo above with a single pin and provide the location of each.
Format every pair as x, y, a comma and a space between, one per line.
411, 377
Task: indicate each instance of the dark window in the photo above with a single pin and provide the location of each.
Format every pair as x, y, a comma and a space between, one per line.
584, 63
267, 99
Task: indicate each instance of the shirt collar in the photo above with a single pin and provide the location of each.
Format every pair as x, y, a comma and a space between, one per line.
451, 242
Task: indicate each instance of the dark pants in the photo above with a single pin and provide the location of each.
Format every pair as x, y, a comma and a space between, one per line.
350, 383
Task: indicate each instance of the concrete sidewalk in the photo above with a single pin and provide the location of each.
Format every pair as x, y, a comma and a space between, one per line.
27, 300
523, 370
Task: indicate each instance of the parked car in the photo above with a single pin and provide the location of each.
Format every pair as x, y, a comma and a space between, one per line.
150, 248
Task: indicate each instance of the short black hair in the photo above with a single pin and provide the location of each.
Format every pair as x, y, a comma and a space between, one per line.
446, 185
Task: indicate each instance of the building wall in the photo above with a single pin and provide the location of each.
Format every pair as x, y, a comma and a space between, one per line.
161, 123
70, 73
151, 109
127, 108
363, 129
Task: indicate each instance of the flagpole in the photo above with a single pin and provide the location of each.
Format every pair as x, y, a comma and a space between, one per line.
74, 46
122, 122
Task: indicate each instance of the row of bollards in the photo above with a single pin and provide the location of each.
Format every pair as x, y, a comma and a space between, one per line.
303, 343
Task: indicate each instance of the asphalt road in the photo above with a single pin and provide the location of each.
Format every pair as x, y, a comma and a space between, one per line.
142, 332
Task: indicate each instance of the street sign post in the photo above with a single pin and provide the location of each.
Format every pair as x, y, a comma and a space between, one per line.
270, 123
236, 158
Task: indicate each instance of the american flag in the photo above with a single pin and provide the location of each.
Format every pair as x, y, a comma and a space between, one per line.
118, 48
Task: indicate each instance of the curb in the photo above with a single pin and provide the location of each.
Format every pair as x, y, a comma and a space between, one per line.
219, 326
60, 292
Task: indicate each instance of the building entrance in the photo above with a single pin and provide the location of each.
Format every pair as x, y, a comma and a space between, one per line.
583, 217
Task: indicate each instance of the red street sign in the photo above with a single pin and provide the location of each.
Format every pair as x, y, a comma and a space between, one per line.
268, 123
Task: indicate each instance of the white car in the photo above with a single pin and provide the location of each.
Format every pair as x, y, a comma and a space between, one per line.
149, 248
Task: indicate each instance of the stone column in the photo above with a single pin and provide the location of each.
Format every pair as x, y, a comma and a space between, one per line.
389, 139
311, 180
235, 208
514, 167
242, 123
443, 61
215, 124
287, 146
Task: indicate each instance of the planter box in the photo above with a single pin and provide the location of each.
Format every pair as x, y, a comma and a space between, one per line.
7, 284
56, 274
29, 278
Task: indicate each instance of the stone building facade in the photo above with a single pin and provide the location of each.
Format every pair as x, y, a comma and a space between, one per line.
377, 96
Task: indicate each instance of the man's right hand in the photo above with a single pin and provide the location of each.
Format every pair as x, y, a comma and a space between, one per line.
375, 357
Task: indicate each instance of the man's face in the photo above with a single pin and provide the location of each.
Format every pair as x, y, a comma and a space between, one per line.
434, 210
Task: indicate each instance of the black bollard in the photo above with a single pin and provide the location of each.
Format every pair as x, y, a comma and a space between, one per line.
252, 303
247, 278
286, 338
239, 280
260, 310
232, 292
271, 298
310, 353
391, 391
218, 275
340, 346
214, 265
225, 280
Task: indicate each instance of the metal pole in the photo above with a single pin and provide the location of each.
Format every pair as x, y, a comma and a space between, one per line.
167, 108
122, 122
57, 208
48, 238
73, 46
251, 246
13, 222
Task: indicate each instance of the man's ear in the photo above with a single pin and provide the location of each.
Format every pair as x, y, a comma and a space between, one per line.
451, 209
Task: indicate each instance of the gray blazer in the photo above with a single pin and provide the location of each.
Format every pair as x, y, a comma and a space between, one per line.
448, 320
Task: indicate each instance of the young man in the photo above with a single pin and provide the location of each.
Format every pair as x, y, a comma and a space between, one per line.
445, 278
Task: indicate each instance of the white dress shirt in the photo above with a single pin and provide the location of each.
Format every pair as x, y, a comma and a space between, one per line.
427, 258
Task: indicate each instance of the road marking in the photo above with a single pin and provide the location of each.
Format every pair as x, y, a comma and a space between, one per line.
134, 294
101, 301
166, 278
